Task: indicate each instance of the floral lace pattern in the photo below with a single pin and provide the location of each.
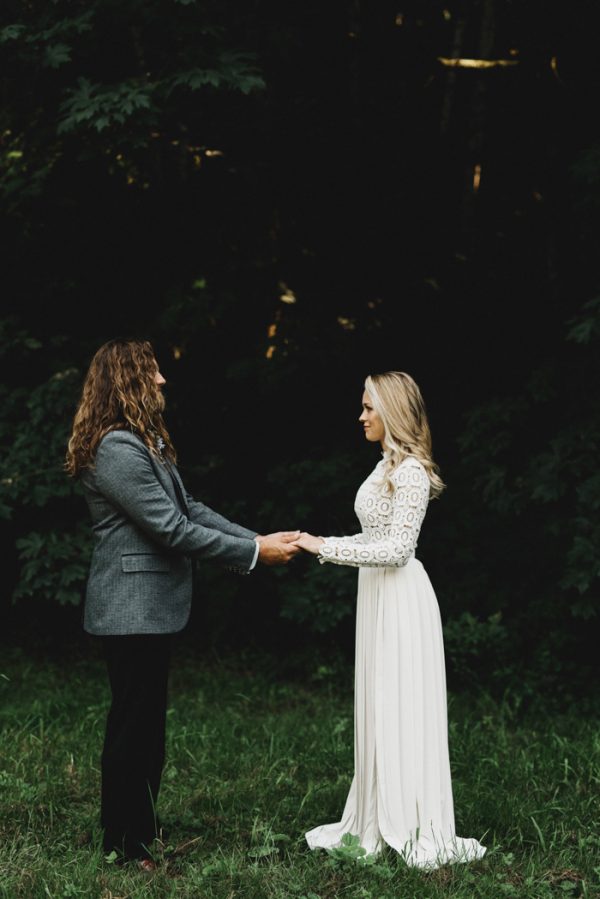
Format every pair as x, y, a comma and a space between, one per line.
391, 521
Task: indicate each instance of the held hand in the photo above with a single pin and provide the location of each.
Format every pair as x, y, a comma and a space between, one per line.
309, 543
283, 536
277, 549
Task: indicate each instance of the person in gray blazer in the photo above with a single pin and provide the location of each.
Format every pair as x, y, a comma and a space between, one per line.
148, 531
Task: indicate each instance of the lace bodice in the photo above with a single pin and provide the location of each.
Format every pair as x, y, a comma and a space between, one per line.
390, 521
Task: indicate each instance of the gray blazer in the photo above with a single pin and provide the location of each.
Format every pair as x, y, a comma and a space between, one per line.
148, 529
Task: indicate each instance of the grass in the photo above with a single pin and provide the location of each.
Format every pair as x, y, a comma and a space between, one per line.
253, 761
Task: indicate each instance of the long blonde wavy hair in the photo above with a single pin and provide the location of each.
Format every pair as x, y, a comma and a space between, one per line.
119, 393
398, 401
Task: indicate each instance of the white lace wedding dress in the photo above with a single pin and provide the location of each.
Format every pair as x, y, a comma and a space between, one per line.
401, 793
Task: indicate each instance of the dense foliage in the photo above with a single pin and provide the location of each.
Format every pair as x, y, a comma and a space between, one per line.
284, 200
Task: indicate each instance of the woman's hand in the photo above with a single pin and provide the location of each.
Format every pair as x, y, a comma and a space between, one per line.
309, 543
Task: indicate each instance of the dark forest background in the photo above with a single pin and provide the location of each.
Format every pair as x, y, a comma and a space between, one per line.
283, 198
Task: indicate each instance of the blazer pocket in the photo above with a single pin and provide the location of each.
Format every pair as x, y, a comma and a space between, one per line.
144, 562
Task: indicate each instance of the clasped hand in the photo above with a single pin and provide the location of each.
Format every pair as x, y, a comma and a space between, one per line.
281, 547
310, 543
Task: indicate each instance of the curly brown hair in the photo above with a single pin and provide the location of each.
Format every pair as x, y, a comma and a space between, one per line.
119, 392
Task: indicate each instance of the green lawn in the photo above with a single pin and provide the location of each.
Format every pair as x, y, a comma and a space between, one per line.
254, 761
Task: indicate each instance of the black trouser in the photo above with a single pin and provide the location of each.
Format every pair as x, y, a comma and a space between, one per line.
134, 746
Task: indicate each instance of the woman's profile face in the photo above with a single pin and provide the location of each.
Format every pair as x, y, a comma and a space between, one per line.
371, 422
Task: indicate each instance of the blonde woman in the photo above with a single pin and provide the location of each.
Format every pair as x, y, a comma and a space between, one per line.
401, 794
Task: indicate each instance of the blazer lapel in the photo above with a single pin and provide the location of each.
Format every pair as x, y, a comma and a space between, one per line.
169, 478
179, 488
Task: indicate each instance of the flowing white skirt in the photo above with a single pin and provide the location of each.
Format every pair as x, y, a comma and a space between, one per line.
401, 793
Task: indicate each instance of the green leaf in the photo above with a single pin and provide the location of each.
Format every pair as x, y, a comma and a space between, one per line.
262, 851
11, 33
586, 326
56, 55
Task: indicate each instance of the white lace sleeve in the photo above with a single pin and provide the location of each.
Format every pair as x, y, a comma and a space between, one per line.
392, 524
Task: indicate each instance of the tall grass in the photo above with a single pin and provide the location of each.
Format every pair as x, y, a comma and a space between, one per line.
253, 761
